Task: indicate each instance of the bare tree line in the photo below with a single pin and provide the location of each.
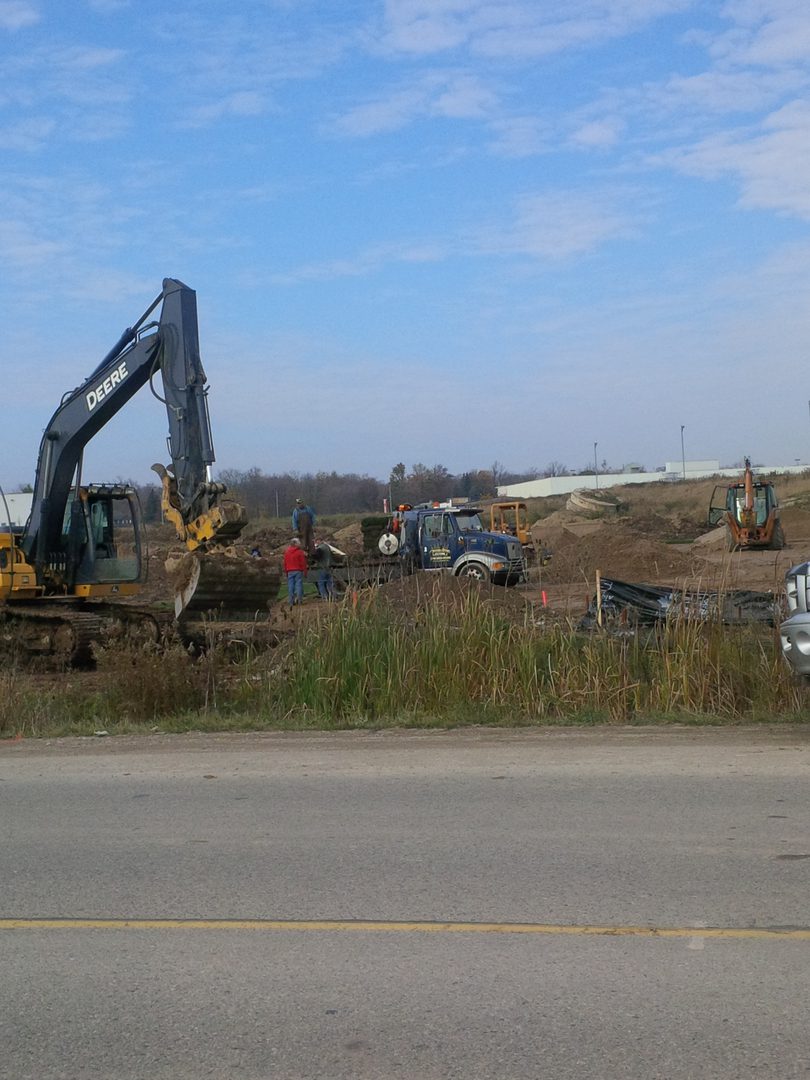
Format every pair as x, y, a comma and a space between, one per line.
273, 494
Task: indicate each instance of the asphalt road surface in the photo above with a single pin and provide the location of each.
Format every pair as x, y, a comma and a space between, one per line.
563, 904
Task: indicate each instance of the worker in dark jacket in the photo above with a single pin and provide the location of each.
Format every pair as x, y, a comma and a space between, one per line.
303, 523
322, 560
295, 566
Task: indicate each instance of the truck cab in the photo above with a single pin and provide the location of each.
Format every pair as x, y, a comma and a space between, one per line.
442, 537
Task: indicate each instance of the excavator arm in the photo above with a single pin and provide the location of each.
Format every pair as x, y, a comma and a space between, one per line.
168, 347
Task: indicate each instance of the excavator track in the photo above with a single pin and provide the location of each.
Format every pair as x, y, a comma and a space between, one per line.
53, 634
57, 636
133, 625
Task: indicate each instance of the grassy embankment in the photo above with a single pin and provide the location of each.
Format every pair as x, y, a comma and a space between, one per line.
367, 666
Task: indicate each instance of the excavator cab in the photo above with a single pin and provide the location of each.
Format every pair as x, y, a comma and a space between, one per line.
750, 511
102, 541
730, 499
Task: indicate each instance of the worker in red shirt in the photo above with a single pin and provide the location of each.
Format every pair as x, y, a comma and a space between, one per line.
295, 566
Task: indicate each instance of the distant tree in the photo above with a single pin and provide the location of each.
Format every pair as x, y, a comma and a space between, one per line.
473, 485
425, 482
556, 468
149, 498
274, 495
398, 474
26, 489
499, 475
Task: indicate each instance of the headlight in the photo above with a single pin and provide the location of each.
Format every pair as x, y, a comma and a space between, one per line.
791, 589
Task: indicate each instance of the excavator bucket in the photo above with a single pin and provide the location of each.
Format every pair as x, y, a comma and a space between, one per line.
224, 593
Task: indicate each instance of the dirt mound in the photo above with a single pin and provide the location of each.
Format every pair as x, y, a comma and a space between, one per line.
270, 539
558, 529
659, 526
616, 551
796, 523
713, 539
425, 590
349, 539
559, 519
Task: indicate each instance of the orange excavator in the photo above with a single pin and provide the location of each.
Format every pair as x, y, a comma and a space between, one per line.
750, 512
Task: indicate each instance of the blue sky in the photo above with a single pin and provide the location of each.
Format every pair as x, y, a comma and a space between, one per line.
445, 231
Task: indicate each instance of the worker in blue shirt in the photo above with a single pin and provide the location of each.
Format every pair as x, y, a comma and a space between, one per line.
303, 523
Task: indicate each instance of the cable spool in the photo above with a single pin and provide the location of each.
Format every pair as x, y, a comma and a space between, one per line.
388, 544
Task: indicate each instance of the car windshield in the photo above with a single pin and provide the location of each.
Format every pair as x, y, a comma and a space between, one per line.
469, 523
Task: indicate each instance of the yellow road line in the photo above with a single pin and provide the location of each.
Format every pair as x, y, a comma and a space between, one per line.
380, 926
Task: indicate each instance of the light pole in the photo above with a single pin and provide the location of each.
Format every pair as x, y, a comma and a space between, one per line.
683, 453
595, 466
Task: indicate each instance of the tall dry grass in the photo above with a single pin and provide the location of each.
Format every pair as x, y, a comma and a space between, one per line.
365, 666
371, 666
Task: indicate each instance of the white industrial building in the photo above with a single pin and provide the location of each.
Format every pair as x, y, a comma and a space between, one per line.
15, 508
673, 470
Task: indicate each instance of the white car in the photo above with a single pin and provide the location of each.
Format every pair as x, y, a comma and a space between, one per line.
794, 633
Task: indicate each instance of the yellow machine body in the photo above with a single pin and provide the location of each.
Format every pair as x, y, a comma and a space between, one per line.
511, 517
18, 579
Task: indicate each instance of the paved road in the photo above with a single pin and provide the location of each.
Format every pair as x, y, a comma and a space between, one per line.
446, 841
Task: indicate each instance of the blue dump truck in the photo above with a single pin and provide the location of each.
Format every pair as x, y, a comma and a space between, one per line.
438, 537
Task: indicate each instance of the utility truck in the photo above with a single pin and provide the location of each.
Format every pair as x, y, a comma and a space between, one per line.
440, 537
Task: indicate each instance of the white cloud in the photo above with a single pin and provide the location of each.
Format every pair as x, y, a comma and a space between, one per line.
463, 97
108, 7
365, 262
556, 225
386, 114
16, 14
768, 33
21, 248
238, 104
451, 95
598, 134
27, 135
520, 136
770, 164
517, 29
729, 91
85, 58
77, 75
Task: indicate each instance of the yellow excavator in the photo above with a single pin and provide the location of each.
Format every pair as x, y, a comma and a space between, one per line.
750, 512
64, 575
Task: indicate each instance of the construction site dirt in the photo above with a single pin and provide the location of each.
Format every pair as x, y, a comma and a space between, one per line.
657, 537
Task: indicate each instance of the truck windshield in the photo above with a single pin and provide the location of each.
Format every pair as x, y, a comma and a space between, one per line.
469, 523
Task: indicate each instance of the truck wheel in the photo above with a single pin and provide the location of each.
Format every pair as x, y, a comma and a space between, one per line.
475, 570
778, 541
